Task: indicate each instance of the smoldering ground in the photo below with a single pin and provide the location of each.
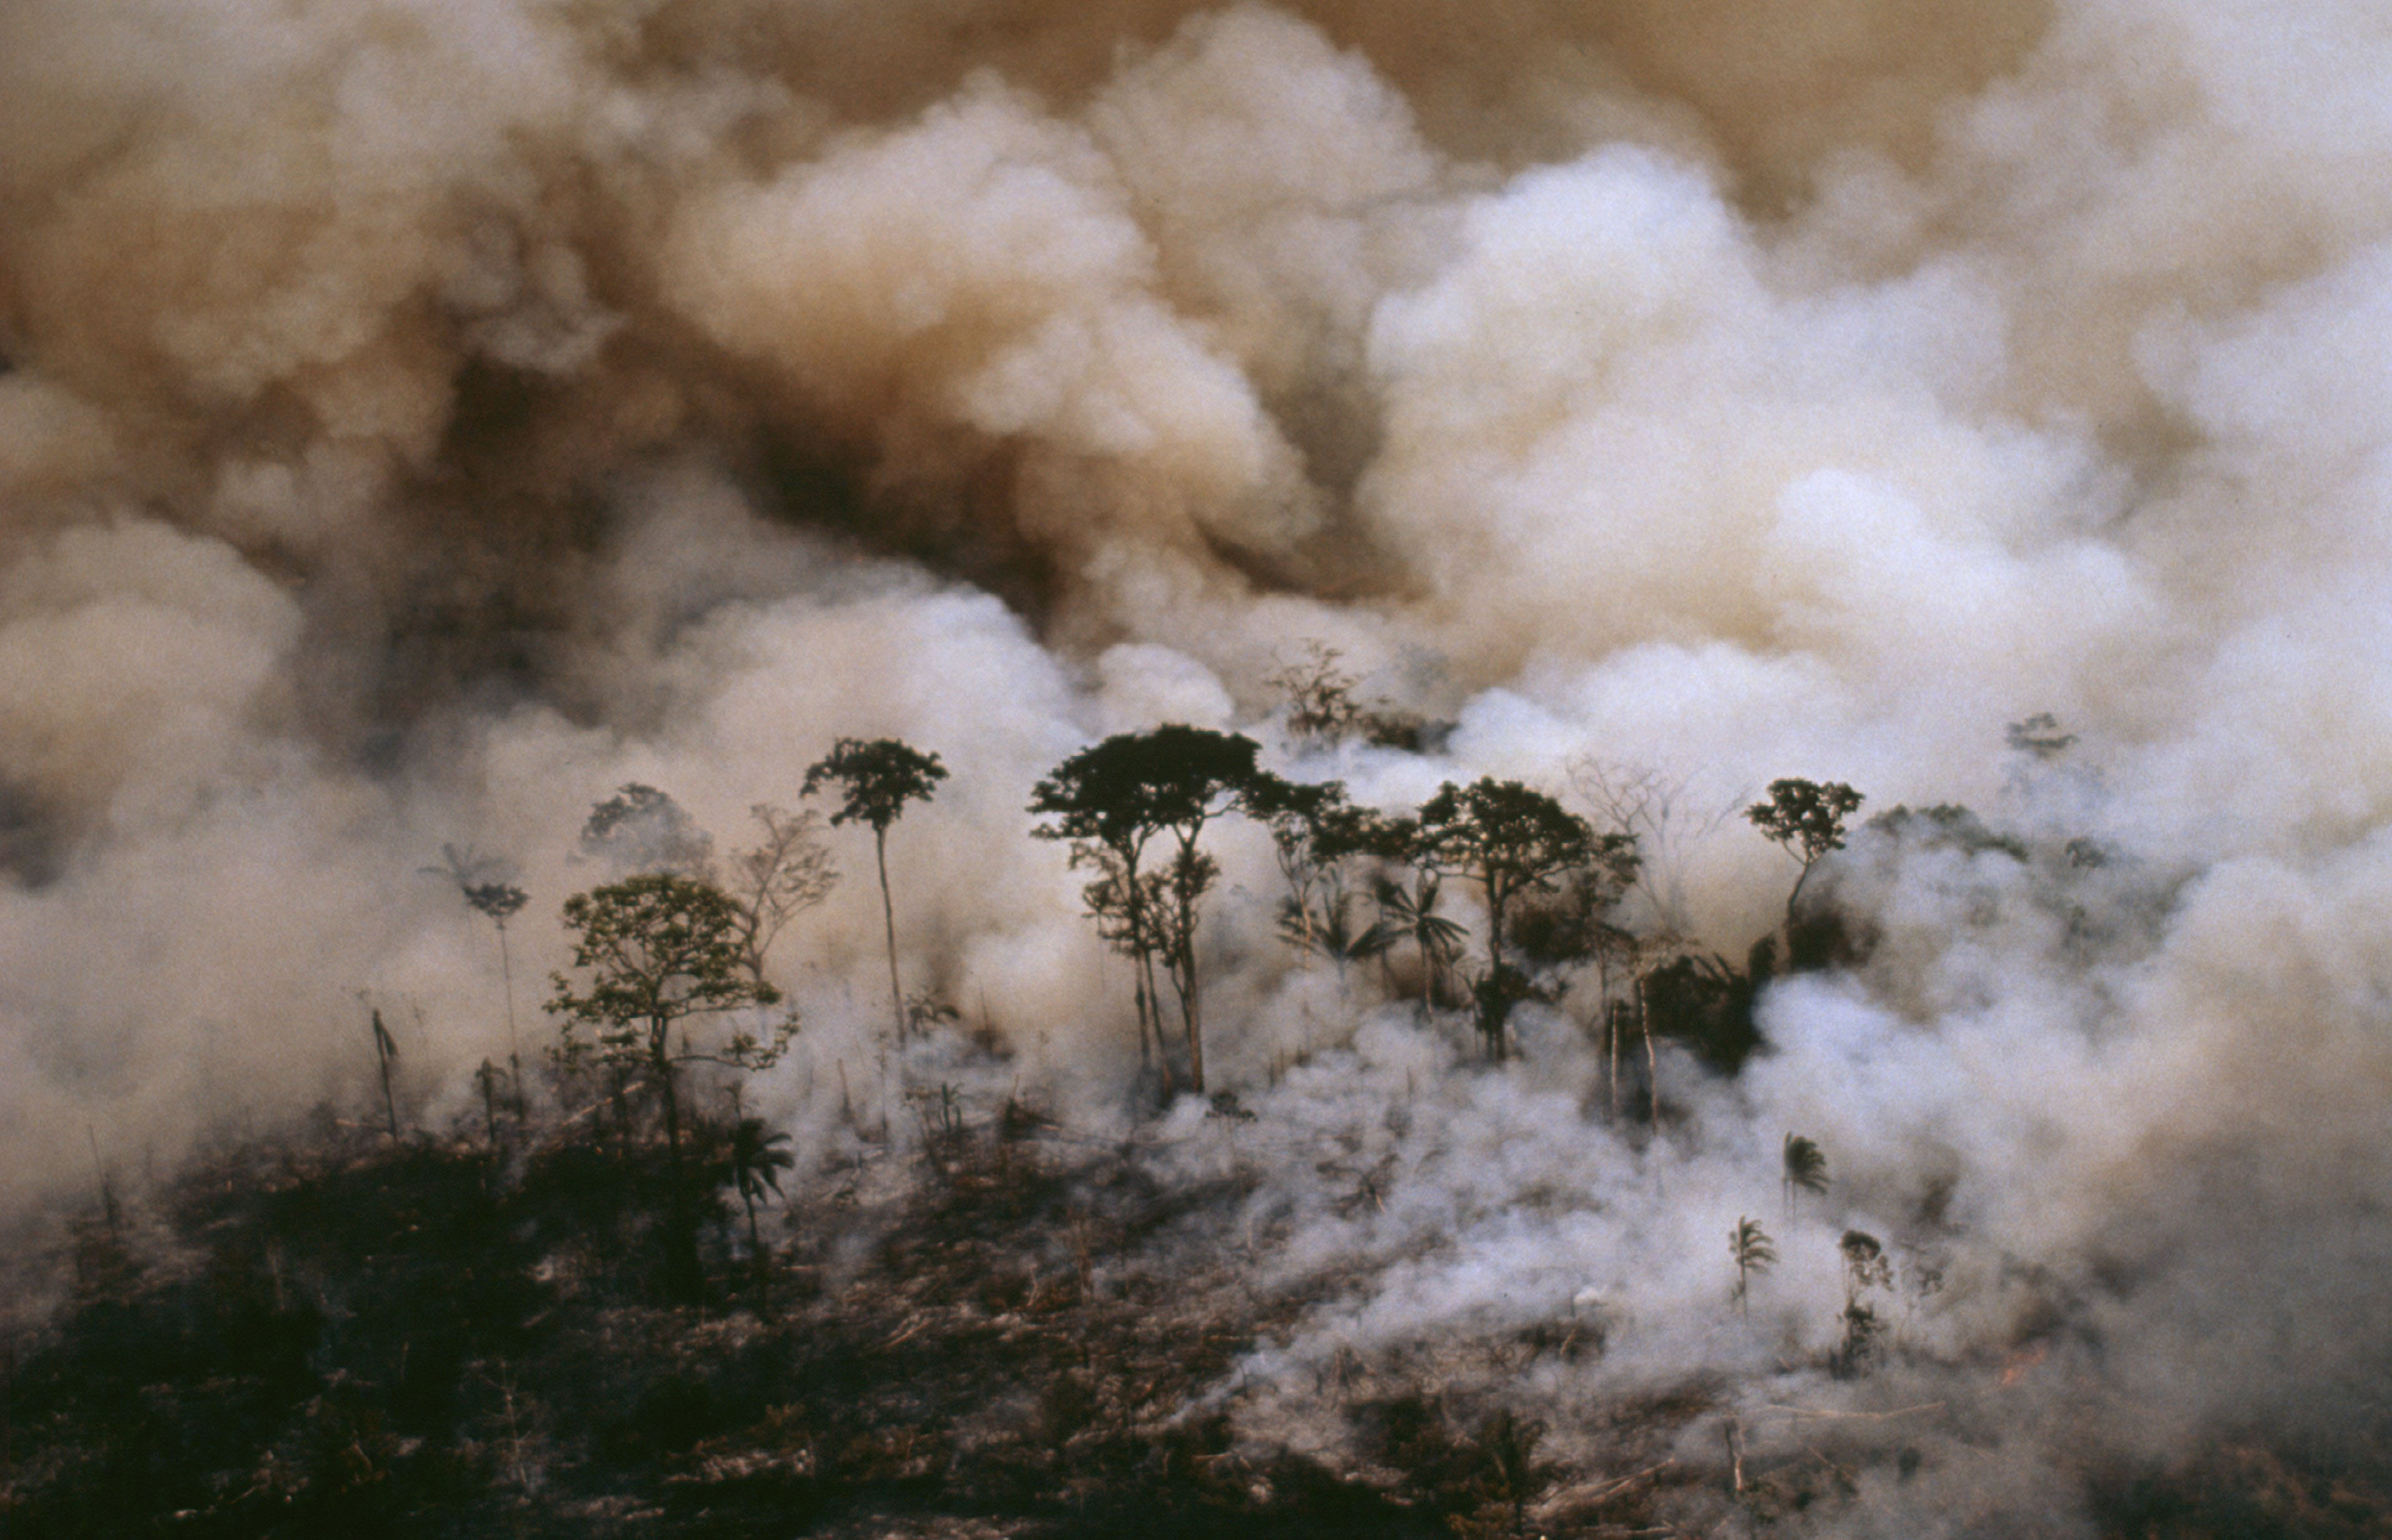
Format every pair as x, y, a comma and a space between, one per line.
425, 418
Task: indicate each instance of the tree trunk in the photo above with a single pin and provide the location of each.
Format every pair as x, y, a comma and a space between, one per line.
514, 1053
1495, 1009
1652, 1060
1182, 942
889, 923
764, 1264
682, 1273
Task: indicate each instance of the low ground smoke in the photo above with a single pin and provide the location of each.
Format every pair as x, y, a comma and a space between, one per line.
423, 419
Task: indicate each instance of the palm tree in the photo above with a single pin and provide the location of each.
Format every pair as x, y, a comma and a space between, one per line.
1328, 930
1411, 916
1750, 1245
1806, 1169
757, 1161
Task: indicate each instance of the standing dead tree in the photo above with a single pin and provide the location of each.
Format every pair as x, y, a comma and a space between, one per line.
788, 872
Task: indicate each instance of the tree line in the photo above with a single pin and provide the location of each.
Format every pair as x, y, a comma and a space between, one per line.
682, 936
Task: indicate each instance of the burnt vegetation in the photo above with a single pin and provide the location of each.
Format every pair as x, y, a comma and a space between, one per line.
599, 1297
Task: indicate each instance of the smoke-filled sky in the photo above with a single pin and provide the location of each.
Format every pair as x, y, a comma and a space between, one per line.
424, 416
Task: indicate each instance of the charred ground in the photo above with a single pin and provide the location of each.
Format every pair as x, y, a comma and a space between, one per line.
331, 1332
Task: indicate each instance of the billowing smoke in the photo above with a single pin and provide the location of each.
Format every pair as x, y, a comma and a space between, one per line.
424, 418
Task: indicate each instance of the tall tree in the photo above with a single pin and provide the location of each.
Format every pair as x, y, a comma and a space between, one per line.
659, 951
1510, 840
481, 883
876, 778
1112, 800
1807, 820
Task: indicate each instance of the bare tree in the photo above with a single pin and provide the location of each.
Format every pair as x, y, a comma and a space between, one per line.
788, 872
1668, 820
1321, 703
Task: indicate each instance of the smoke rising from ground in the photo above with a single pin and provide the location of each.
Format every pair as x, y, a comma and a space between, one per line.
428, 417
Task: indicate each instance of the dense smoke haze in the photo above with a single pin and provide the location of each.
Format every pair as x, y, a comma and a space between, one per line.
423, 417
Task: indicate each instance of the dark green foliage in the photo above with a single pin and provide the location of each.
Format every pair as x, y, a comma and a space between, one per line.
755, 1163
372, 1341
1112, 801
1703, 1001
1510, 840
1477, 1476
1946, 825
1807, 817
875, 779
659, 950
1410, 915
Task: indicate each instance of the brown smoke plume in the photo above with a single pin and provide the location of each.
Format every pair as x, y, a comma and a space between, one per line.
425, 417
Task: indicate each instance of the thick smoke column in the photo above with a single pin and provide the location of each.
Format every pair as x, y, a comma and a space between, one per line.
424, 418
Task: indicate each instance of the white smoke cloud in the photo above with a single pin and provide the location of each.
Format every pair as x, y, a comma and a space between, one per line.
425, 419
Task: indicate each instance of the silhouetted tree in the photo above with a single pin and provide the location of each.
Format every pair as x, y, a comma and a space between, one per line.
2039, 735
1510, 840
1118, 795
1313, 831
1409, 914
1749, 1243
1807, 818
876, 778
1319, 695
660, 950
1323, 707
478, 880
387, 1054
757, 1160
486, 1079
1806, 1170
1865, 1267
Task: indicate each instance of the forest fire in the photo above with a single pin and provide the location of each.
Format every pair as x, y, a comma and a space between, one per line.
988, 767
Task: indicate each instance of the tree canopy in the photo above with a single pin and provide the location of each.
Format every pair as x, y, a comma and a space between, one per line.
1807, 818
877, 777
1110, 800
1510, 840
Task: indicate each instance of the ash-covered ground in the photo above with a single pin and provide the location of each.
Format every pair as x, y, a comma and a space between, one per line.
992, 1324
